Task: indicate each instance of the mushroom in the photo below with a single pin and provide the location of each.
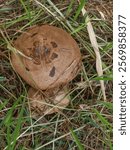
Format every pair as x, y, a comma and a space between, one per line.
50, 59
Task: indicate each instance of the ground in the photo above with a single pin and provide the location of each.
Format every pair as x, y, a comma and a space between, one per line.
86, 124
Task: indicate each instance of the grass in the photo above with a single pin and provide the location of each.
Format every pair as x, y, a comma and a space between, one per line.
87, 122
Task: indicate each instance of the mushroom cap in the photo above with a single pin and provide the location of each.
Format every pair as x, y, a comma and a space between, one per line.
40, 105
55, 57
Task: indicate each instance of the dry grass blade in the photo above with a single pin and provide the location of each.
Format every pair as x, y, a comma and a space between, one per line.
60, 17
98, 57
97, 53
10, 47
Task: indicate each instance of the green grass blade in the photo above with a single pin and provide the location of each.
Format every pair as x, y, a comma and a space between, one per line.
5, 9
3, 104
108, 105
102, 119
8, 123
26, 9
8, 136
2, 78
78, 29
8, 117
103, 78
80, 146
18, 126
13, 124
81, 5
69, 7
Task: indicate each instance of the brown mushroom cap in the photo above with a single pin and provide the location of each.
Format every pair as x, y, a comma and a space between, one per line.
40, 105
55, 57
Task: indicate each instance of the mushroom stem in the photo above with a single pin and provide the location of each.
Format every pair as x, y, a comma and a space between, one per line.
43, 105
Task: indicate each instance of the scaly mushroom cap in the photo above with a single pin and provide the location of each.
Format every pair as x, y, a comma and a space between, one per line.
40, 105
55, 57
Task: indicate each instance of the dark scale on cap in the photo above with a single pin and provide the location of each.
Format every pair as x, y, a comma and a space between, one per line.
27, 69
54, 55
52, 72
33, 34
29, 49
44, 38
54, 45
